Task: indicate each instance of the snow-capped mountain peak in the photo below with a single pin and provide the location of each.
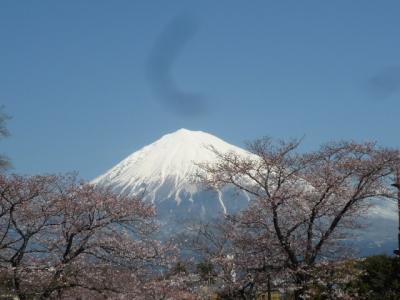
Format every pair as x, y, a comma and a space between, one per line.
164, 169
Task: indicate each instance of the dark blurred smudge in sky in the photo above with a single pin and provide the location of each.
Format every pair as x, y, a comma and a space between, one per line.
166, 50
385, 83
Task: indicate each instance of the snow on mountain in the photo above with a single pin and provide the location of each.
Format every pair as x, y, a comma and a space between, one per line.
165, 168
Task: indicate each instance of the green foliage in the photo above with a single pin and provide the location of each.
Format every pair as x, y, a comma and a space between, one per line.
179, 268
380, 278
205, 270
329, 280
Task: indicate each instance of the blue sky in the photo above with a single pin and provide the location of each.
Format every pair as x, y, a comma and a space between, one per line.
81, 79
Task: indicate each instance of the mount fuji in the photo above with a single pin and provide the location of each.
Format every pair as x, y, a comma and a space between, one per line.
163, 173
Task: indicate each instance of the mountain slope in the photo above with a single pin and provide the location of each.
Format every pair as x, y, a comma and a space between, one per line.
164, 169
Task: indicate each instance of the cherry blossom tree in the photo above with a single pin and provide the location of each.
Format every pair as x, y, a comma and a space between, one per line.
4, 161
60, 237
303, 204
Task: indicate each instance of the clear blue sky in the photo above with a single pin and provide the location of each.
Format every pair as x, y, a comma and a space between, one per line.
80, 81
